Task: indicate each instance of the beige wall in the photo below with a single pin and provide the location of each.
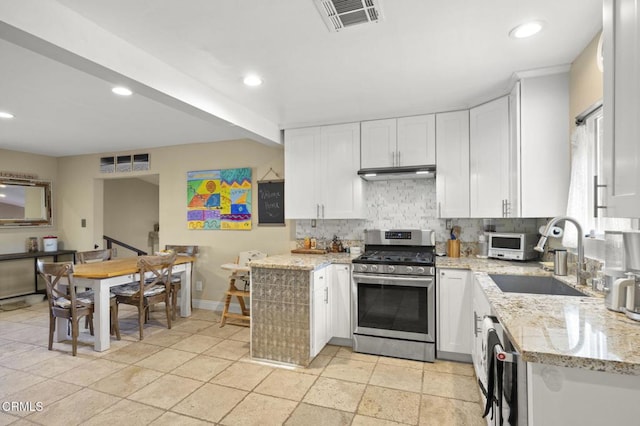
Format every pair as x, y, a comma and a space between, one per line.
13, 240
81, 196
131, 208
585, 86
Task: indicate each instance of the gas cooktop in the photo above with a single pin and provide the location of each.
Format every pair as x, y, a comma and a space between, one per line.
397, 257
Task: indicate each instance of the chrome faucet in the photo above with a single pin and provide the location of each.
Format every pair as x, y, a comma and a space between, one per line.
581, 273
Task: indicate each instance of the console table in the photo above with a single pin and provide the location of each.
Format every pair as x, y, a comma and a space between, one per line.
35, 256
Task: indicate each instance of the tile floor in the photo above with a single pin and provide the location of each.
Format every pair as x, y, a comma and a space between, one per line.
198, 373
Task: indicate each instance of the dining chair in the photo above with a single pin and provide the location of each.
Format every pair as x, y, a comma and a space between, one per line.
93, 256
63, 300
176, 279
154, 286
240, 276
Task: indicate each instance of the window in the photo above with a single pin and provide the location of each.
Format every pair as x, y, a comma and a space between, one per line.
586, 167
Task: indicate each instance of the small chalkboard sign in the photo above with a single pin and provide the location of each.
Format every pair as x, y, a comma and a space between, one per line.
271, 203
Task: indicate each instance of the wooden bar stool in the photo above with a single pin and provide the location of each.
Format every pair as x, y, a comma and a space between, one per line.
240, 276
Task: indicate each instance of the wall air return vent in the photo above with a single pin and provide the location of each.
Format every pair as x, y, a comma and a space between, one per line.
341, 14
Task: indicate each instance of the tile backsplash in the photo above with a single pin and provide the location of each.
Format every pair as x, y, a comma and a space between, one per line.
406, 203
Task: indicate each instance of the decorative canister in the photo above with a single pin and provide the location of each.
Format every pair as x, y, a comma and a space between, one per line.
50, 243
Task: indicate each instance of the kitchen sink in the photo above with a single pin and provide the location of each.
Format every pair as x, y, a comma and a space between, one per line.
534, 285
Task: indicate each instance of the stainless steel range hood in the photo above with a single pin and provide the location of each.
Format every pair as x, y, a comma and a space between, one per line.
388, 173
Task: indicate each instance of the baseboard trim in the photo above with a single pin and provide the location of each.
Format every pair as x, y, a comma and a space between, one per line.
214, 305
454, 356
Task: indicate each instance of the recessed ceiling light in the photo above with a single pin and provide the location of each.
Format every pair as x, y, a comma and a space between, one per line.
527, 29
2, 195
252, 80
122, 91
4, 114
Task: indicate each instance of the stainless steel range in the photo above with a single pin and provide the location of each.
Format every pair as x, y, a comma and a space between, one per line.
394, 294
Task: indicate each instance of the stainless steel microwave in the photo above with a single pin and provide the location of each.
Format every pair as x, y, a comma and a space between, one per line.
512, 246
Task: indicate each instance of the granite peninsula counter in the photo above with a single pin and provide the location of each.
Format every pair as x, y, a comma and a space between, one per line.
282, 305
573, 332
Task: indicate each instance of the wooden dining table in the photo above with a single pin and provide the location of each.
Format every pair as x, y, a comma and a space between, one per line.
101, 276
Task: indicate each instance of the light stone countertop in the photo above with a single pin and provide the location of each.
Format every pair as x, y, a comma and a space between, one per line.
566, 331
577, 332
307, 262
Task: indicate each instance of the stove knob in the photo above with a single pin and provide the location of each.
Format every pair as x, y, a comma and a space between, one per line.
363, 268
421, 270
391, 268
374, 268
409, 269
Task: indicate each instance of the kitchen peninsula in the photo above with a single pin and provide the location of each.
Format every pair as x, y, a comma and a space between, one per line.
291, 313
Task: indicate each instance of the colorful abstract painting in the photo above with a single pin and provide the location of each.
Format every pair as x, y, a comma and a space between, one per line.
219, 199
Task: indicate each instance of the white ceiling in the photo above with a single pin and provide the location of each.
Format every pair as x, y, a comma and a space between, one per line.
425, 56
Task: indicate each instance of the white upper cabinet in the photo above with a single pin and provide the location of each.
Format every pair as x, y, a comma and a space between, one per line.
519, 150
321, 165
621, 149
544, 146
379, 143
401, 142
300, 169
340, 187
416, 140
490, 162
452, 151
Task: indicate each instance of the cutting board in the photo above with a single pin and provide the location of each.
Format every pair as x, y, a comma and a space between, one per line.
308, 251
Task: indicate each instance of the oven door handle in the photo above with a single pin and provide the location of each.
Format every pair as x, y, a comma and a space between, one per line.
394, 280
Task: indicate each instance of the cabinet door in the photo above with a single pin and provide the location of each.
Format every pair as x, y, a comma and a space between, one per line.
452, 150
544, 146
455, 309
489, 155
481, 308
378, 143
301, 170
341, 195
621, 107
320, 297
416, 140
340, 302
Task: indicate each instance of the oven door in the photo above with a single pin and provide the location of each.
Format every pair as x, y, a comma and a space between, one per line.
401, 307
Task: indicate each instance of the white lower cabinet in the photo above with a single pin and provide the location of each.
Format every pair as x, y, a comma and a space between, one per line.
481, 308
576, 396
330, 306
454, 292
340, 302
319, 311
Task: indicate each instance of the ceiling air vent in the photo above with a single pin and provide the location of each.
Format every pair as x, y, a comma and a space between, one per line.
341, 14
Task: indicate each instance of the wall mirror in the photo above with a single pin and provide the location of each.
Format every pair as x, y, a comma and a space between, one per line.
25, 202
